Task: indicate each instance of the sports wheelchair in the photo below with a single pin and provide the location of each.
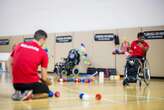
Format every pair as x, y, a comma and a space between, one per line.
67, 66
135, 69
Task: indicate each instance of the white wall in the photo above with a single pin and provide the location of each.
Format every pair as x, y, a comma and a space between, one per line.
4, 56
26, 16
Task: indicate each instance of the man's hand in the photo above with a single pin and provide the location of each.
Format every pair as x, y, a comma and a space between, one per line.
47, 81
44, 77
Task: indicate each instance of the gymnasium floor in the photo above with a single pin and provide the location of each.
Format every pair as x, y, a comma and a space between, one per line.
115, 96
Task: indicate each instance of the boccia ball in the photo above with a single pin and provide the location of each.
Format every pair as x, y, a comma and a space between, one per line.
57, 94
50, 94
81, 95
85, 97
98, 96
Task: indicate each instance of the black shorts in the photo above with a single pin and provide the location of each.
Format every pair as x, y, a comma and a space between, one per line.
36, 87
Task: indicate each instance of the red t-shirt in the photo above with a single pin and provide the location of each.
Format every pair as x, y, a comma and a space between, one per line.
27, 56
137, 50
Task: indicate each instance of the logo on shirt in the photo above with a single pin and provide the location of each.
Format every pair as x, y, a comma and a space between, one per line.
29, 47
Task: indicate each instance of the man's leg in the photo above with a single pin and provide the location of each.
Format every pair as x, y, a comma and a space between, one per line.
34, 90
40, 90
22, 92
40, 96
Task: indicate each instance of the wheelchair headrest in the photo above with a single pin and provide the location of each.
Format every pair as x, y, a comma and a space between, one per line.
73, 54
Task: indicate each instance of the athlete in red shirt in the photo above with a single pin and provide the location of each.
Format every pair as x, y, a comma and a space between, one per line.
139, 47
25, 59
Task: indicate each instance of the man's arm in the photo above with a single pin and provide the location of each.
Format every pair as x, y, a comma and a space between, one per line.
145, 48
11, 60
44, 65
131, 47
44, 77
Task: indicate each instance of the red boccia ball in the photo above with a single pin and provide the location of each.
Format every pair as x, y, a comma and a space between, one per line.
98, 97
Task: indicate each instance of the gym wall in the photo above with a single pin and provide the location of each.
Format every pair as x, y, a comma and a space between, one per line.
100, 52
156, 53
50, 44
5, 48
87, 39
62, 49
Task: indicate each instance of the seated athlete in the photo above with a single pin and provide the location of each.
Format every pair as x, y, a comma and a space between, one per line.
139, 48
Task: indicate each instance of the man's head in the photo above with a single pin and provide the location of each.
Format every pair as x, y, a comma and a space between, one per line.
40, 36
140, 36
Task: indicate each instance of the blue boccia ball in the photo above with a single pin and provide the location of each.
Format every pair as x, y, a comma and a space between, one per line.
81, 95
83, 80
50, 94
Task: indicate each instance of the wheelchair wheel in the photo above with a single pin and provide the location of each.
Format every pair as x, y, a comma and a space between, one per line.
125, 83
146, 73
57, 70
139, 83
63, 73
58, 73
75, 71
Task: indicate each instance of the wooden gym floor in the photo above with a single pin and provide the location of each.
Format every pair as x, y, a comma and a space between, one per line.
114, 96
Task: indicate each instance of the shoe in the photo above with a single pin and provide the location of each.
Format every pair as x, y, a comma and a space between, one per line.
16, 96
26, 95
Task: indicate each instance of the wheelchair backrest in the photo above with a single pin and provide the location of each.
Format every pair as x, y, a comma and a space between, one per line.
133, 62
